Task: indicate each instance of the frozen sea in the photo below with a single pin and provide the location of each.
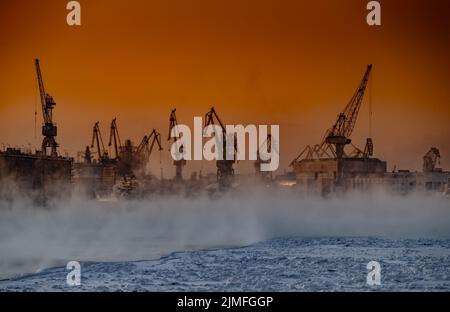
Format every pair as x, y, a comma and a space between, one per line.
256, 241
284, 264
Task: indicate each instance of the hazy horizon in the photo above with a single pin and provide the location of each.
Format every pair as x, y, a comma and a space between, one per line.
259, 62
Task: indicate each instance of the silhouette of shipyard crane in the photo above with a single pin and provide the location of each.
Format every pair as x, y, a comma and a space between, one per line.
179, 164
338, 136
145, 148
98, 140
49, 129
225, 171
431, 159
114, 137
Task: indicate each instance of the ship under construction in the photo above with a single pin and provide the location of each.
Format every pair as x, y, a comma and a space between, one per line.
333, 166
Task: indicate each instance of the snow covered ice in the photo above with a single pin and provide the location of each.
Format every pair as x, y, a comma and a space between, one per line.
291, 264
251, 243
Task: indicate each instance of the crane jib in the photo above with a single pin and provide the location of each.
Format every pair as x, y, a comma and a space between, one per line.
49, 129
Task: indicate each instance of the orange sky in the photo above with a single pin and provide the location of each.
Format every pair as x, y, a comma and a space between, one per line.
293, 63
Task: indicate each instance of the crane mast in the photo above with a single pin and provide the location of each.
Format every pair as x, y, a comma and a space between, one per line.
97, 140
179, 164
49, 129
145, 148
347, 119
339, 134
225, 171
172, 122
114, 137
156, 139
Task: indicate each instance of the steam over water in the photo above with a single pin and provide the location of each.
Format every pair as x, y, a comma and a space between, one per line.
33, 238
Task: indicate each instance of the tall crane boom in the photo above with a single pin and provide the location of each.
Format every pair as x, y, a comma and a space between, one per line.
209, 120
156, 139
347, 119
49, 130
172, 122
97, 140
177, 163
114, 137
339, 134
225, 170
145, 148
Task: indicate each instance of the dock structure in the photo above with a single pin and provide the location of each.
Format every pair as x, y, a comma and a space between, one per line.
333, 166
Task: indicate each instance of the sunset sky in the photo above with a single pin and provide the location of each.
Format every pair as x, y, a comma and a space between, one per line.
293, 63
